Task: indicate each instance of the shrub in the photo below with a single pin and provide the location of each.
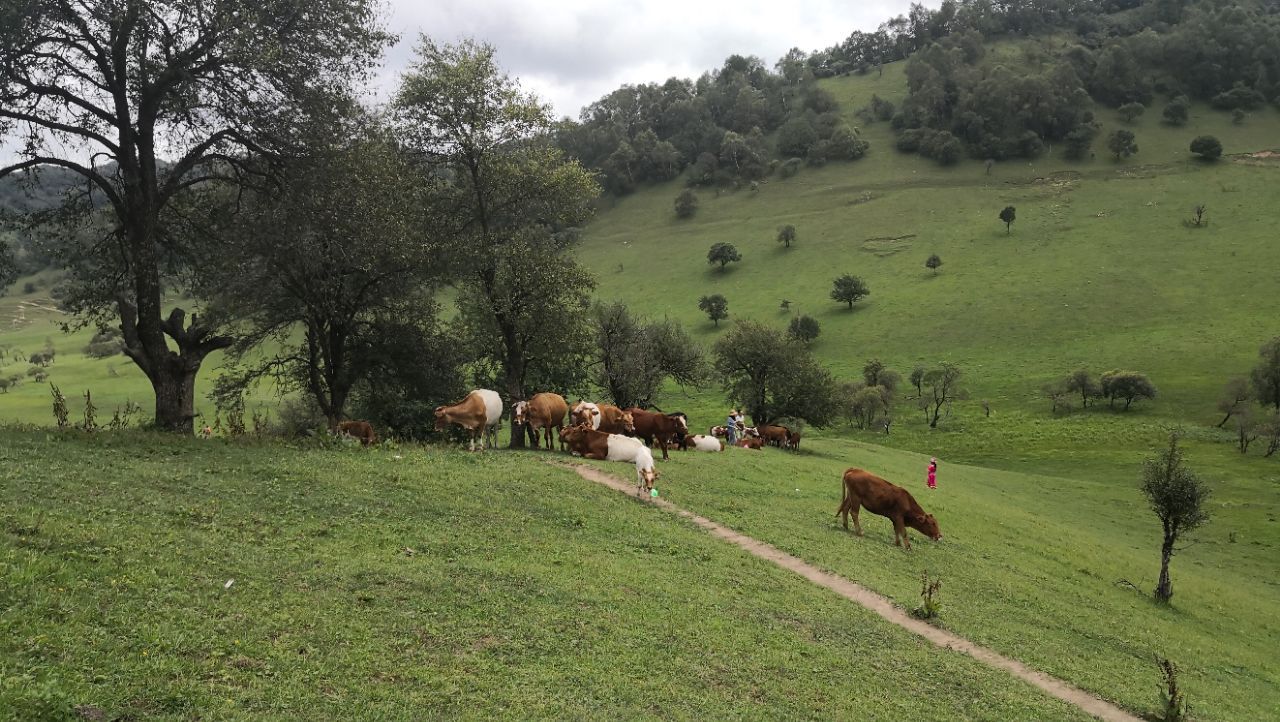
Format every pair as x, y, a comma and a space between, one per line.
1177, 111
1207, 147
804, 329
1241, 97
930, 605
686, 203
105, 344
790, 167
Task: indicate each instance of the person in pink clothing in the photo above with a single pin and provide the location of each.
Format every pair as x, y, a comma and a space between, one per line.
933, 473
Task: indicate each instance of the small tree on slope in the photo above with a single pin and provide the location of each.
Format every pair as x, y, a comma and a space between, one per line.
1177, 496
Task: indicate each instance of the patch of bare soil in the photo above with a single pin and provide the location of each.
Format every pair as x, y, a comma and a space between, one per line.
859, 594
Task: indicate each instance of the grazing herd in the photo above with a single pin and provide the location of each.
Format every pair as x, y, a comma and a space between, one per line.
609, 433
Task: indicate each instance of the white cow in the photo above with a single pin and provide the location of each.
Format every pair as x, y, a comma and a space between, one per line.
702, 442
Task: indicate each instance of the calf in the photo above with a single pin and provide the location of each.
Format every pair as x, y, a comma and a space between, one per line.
544, 411
699, 442
864, 490
361, 430
650, 425
480, 412
793, 441
750, 443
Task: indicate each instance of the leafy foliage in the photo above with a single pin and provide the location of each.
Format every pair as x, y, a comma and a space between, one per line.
724, 254
1008, 215
773, 377
786, 235
1207, 147
1265, 377
636, 358
849, 289
1122, 144
933, 263
715, 306
686, 203
804, 329
1177, 496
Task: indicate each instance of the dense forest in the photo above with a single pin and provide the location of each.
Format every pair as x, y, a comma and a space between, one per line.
744, 120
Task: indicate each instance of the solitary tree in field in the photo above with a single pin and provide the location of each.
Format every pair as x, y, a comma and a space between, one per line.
1178, 499
804, 329
715, 306
1008, 215
933, 263
944, 386
1265, 378
787, 235
849, 289
149, 103
1234, 395
1130, 112
724, 254
686, 203
1122, 144
1176, 112
1207, 147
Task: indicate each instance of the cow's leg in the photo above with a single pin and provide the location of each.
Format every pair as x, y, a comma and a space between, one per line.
855, 506
662, 441
900, 530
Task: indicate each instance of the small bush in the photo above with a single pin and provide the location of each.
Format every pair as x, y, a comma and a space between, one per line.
930, 604
686, 204
1207, 147
790, 167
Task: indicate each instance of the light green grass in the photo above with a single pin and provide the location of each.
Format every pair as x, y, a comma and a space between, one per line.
417, 584
1030, 564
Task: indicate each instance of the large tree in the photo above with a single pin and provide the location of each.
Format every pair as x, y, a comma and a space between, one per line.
146, 102
511, 200
773, 376
327, 264
636, 356
1265, 377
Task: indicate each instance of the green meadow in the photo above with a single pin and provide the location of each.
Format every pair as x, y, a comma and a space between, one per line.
426, 582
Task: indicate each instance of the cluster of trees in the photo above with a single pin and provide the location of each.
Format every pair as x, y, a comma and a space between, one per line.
1122, 54
1115, 385
714, 127
1262, 386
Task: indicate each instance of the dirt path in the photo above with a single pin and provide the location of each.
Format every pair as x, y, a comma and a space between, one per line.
880, 605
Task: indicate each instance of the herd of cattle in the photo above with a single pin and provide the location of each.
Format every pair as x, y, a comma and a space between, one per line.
605, 432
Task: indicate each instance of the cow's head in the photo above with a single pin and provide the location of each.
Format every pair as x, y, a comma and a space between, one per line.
648, 477
628, 422
683, 422
442, 420
925, 524
522, 411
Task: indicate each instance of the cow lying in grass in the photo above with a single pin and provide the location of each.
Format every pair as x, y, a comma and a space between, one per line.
592, 444
700, 442
863, 489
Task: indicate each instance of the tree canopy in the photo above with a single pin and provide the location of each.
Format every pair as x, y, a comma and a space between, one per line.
772, 376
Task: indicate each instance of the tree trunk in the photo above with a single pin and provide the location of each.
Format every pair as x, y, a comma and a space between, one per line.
175, 397
1164, 589
515, 392
1225, 419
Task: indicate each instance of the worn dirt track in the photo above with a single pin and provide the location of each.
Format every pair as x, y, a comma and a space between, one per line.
859, 594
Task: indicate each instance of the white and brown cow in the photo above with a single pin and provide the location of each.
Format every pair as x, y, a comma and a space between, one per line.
545, 411
480, 412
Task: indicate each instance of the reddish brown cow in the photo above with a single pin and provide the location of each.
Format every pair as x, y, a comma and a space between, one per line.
361, 430
603, 417
863, 489
544, 411
753, 442
775, 435
793, 440
650, 426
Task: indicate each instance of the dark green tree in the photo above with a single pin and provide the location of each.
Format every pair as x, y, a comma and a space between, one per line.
1177, 112
1077, 143
724, 254
796, 137
1178, 497
636, 357
715, 306
1265, 378
1122, 144
1130, 112
8, 267
804, 329
787, 235
845, 144
168, 98
1207, 147
1128, 386
933, 263
849, 289
686, 203
772, 376
1081, 382
1008, 215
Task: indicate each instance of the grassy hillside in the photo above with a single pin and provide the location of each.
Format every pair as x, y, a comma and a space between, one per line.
1098, 270
418, 583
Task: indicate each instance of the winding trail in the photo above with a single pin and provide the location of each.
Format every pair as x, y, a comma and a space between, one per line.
882, 606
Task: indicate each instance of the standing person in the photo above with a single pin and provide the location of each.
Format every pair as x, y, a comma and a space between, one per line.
933, 473
731, 427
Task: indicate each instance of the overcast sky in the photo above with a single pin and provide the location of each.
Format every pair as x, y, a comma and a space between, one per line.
571, 52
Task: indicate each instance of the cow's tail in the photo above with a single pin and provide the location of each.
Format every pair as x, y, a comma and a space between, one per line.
844, 498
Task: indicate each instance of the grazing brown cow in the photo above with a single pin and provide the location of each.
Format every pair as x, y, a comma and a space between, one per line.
544, 411
480, 412
863, 489
651, 425
753, 442
361, 430
775, 435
